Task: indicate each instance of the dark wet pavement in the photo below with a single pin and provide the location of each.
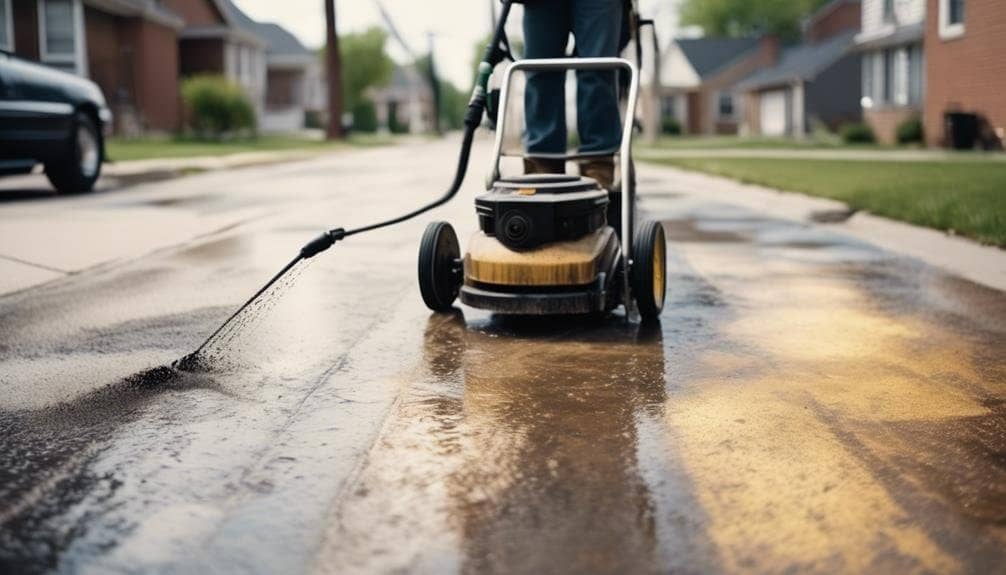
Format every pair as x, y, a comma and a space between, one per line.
807, 403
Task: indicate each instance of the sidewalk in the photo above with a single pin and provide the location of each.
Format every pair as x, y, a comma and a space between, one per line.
866, 155
981, 264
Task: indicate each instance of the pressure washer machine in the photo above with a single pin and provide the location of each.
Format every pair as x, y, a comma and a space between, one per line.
551, 243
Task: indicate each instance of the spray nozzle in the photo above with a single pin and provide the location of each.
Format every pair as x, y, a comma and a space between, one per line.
321, 243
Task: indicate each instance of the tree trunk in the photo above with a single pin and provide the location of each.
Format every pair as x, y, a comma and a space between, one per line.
333, 63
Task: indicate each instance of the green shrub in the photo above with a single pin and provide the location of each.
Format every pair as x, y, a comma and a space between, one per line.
670, 126
315, 120
857, 134
394, 126
216, 107
364, 117
910, 131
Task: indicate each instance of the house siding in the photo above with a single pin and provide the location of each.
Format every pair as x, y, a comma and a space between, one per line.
201, 56
844, 17
104, 51
708, 123
833, 96
884, 109
696, 111
969, 71
196, 12
25, 29
157, 95
906, 12
885, 121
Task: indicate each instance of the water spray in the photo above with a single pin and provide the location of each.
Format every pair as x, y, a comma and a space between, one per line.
496, 51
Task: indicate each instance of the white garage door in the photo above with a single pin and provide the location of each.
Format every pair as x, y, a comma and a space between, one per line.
773, 113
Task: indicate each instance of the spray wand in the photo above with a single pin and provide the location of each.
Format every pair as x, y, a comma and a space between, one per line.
495, 52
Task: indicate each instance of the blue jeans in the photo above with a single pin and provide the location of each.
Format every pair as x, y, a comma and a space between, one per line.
596, 25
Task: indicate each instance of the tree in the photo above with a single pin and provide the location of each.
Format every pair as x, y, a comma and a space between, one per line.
453, 102
366, 64
738, 18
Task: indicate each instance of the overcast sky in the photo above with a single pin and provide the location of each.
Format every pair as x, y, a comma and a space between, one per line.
457, 24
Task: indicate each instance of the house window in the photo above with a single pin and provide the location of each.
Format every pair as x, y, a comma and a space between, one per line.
887, 71
725, 105
667, 107
955, 11
61, 35
6, 26
915, 72
951, 18
901, 73
868, 84
888, 10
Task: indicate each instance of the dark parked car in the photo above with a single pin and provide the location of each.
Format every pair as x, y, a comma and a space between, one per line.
53, 118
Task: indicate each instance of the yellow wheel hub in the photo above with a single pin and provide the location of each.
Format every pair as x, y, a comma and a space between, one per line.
658, 269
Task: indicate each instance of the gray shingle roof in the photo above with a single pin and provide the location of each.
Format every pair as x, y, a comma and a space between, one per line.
281, 42
707, 55
801, 62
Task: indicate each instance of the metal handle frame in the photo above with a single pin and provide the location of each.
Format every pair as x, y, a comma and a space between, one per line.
625, 183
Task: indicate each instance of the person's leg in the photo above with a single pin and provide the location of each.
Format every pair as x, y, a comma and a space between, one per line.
546, 32
596, 27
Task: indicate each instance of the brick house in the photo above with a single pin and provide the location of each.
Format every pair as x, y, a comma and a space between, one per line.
698, 76
893, 67
137, 50
815, 82
965, 42
292, 75
213, 41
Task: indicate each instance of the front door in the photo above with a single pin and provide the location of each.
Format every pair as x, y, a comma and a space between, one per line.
772, 114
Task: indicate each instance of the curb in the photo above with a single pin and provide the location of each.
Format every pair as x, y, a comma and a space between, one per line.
979, 263
133, 172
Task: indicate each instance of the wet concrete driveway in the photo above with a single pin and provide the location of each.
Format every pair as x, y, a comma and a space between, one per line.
806, 404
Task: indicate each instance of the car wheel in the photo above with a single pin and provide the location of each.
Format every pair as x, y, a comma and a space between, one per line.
78, 168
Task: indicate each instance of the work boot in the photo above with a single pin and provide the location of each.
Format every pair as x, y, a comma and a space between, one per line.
601, 169
544, 166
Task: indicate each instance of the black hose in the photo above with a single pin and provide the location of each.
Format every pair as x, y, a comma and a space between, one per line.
459, 178
473, 118
325, 240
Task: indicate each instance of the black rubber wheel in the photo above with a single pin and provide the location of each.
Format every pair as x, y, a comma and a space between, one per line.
77, 169
439, 275
649, 269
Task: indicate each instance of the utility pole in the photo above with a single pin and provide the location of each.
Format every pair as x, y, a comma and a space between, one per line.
492, 16
333, 67
434, 86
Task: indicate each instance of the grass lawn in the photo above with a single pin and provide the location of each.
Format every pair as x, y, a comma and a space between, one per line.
752, 142
967, 197
125, 149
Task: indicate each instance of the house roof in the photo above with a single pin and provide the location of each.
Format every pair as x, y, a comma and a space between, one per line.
147, 9
801, 62
903, 34
707, 55
825, 10
279, 40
